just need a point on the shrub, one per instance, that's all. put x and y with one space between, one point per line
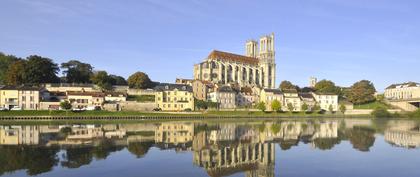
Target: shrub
261 106
415 114
381 112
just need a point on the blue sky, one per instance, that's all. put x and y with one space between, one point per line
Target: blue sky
340 40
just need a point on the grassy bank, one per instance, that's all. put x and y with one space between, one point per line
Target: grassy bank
209 114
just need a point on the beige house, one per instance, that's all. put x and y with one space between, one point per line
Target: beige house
309 99
245 97
326 100
174 97
225 96
201 89
405 91
115 97
86 99
292 97
405 96
23 97
269 95
184 81
256 68
65 87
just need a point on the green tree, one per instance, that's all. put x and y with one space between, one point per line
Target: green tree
330 108
140 80
66 105
77 72
305 107
276 105
5 62
117 80
316 108
261 106
381 112
361 92
343 108
290 107
15 73
102 80
326 86
285 85
40 70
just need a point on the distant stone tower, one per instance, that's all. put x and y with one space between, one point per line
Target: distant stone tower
251 48
312 81
267 60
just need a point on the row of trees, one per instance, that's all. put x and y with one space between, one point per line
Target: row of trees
359 93
35 70
277 107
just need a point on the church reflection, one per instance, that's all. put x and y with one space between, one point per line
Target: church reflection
221 149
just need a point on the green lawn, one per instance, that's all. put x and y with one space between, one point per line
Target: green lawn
371 105
182 114
141 98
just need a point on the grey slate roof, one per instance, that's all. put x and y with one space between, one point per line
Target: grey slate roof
167 87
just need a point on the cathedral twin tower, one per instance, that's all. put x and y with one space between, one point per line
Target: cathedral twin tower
256 68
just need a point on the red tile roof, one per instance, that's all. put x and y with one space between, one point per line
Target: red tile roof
214 55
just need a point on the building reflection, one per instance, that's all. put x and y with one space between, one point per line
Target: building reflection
220 149
406 134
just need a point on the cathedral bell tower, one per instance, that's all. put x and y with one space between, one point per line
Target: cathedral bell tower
267 60
251 48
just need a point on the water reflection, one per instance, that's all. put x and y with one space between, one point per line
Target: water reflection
221 149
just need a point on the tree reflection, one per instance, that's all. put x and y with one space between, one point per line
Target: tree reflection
362 138
35 160
139 148
77 157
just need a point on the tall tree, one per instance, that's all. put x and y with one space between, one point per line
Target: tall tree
40 70
77 72
5 62
139 80
276 105
15 73
102 80
117 80
286 85
326 86
361 92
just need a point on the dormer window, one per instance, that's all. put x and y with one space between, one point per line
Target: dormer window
166 87
184 87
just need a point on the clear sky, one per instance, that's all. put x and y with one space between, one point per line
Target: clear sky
340 40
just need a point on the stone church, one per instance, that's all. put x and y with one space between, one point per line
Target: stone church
256 68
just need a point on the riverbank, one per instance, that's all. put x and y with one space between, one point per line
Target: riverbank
127 115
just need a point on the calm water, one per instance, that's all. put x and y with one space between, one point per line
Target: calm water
327 148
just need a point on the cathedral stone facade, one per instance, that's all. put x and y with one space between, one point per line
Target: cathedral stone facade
256 68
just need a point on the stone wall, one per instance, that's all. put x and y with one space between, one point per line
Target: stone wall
137 106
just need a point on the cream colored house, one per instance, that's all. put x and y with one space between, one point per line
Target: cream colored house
65 87
201 89
224 96
326 100
174 97
86 99
115 97
269 95
405 91
25 98
245 97
256 68
292 97
405 96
